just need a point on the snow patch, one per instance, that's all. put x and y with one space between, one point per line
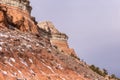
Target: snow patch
37 45
31 71
23 62
59 66
4 72
50 69
15 74
31 60
5 57
43 60
12 59
0 48
19 72
49 50
22 49
3 35
25 38
1 43
63 78
9 63
43 73
28 46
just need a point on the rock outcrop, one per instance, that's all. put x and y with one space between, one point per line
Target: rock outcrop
57 39
16 14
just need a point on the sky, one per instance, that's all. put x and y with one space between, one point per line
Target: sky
93 27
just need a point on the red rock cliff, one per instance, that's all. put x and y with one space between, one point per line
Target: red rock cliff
25 55
16 14
57 38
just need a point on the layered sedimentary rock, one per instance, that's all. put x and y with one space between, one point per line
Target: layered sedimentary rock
44 55
21 4
57 39
16 14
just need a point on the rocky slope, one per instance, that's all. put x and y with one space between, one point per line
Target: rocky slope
25 56
36 52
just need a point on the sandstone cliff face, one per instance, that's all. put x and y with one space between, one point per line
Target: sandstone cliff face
16 16
57 38
28 52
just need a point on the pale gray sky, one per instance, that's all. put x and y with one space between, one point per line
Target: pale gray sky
93 27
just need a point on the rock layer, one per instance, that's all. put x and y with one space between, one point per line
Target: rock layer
15 17
57 39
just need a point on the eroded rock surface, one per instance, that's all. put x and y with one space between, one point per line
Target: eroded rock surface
15 16
25 56
29 52
57 38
